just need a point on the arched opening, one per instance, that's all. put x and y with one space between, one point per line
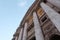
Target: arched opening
55 37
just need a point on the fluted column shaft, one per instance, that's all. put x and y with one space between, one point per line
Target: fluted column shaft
16 38
38 31
25 32
52 14
55 2
20 35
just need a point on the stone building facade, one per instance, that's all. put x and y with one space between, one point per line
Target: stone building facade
41 22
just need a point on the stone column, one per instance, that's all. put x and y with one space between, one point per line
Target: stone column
52 14
25 32
16 38
38 31
55 2
20 34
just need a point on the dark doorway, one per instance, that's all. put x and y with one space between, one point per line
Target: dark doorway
33 38
55 37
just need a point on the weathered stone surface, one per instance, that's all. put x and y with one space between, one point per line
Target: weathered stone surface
55 2
52 14
25 32
38 31
20 35
16 38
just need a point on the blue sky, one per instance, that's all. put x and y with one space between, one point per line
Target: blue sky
11 14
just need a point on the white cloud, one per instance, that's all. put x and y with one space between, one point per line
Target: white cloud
22 4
